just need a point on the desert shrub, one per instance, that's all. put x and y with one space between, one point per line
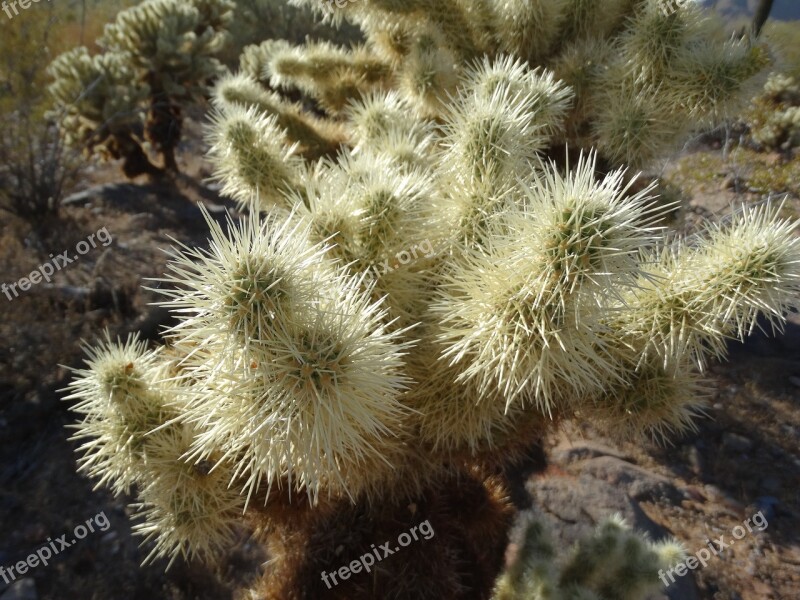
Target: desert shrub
35 166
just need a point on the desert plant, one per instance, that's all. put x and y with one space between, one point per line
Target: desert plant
411 315
35 165
611 564
774 117
158 57
257 20
642 72
36 170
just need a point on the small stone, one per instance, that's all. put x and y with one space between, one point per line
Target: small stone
726 502
795 381
729 183
767 505
24 589
762 589
109 537
733 442
695 460
771 484
568 452
694 493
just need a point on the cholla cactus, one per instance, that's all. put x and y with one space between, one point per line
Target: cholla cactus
157 57
415 312
774 117
103 106
121 405
641 72
611 564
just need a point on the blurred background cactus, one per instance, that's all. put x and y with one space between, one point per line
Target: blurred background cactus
774 118
612 563
157 57
436 270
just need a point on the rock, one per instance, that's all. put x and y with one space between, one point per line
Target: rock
771 484
573 506
567 453
733 442
637 482
795 381
23 589
695 460
103 191
767 505
713 203
730 183
762 342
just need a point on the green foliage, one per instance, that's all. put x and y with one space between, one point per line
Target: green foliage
157 57
105 103
774 115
